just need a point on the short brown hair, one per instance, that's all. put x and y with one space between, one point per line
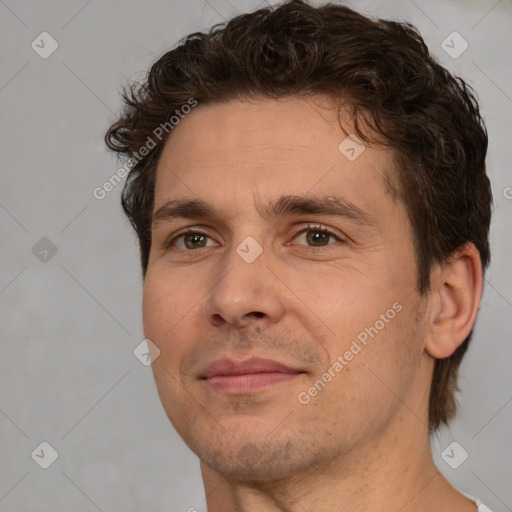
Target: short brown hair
429 118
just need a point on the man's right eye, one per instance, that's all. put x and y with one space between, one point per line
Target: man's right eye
190 240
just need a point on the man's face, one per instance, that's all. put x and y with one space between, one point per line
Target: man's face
213 303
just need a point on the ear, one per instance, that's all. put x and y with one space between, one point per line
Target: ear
454 297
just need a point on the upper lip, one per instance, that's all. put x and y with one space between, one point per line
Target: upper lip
226 366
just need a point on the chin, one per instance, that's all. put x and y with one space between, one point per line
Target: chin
258 460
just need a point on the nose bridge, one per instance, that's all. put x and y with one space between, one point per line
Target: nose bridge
246 289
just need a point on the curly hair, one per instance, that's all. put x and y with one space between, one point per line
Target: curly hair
399 95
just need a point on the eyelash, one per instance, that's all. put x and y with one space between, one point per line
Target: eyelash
309 227
172 240
320 228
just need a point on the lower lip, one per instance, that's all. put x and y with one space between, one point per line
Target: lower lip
249 382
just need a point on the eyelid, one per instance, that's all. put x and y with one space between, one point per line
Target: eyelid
306 227
322 228
169 242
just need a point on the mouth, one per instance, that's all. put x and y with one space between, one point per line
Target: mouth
249 376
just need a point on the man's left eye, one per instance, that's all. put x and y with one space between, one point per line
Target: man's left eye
316 237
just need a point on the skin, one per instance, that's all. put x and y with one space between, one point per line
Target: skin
362 442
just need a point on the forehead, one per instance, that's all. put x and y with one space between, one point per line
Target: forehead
245 150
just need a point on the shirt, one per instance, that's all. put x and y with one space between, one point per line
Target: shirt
480 505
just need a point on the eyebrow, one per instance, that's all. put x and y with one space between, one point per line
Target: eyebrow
284 206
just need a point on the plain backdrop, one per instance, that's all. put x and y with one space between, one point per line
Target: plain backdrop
71 319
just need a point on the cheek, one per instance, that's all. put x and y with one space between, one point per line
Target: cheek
153 307
165 307
368 321
165 323
345 299
377 375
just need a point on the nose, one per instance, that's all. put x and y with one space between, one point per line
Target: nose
246 294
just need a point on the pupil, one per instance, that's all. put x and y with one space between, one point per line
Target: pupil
194 240
317 237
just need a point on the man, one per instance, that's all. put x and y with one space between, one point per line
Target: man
309 192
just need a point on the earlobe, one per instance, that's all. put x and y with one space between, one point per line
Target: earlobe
456 290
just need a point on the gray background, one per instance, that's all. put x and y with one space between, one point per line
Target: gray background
70 324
